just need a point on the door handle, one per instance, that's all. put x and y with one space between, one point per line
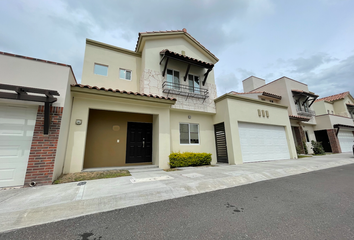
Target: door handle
143 143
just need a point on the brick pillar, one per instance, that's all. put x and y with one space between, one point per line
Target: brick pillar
299 138
43 149
333 140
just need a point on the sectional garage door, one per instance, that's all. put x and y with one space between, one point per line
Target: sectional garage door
346 139
16 132
263 142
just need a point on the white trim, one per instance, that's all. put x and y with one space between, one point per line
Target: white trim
131 74
189 134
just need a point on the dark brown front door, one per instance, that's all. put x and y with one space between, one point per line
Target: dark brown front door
139 142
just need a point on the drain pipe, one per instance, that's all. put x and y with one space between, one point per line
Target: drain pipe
32 184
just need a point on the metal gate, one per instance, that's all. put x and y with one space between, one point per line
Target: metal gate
220 140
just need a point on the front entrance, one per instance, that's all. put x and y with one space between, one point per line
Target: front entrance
115 139
322 136
139 142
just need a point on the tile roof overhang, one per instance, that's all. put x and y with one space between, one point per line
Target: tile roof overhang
122 93
182 33
343 126
167 54
335 97
350 106
187 59
295 117
310 97
39 60
247 99
266 94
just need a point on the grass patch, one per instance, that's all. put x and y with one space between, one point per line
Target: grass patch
172 170
82 176
303 156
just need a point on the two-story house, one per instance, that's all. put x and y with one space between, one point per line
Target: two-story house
293 94
136 107
130 104
335 127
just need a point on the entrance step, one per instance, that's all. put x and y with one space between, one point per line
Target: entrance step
141 168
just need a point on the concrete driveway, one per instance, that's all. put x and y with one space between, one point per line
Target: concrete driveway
32 206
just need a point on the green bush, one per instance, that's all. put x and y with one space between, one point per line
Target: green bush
189 159
305 147
299 150
317 148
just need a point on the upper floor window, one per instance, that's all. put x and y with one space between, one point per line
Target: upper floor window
173 78
100 69
125 74
189 133
193 83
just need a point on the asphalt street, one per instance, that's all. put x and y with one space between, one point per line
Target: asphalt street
315 205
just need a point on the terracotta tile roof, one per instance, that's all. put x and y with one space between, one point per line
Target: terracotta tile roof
263 93
278 80
301 91
123 91
176 31
333 97
186 57
39 60
295 117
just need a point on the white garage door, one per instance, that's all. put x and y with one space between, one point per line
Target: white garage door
16 131
346 139
263 142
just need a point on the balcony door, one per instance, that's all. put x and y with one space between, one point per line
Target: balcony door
173 79
193 83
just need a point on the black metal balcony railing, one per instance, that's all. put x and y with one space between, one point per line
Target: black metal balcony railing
306 112
184 90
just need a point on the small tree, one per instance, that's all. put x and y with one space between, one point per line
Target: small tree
317 148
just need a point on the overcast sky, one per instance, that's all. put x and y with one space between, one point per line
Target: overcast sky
311 41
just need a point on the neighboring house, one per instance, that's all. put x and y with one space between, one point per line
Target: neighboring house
136 107
35 106
335 126
293 94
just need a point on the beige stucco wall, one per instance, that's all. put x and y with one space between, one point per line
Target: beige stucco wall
151 80
206 132
114 60
91 100
252 83
64 131
322 107
283 87
233 110
36 74
327 121
311 133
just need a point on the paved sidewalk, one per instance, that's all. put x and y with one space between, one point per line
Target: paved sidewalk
32 206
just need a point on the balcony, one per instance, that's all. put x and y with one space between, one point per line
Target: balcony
185 90
306 113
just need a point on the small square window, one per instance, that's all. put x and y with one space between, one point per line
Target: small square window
189 133
100 69
125 74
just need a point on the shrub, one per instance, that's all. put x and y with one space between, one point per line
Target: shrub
305 147
189 159
298 150
317 148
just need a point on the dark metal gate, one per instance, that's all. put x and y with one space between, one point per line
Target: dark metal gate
220 140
